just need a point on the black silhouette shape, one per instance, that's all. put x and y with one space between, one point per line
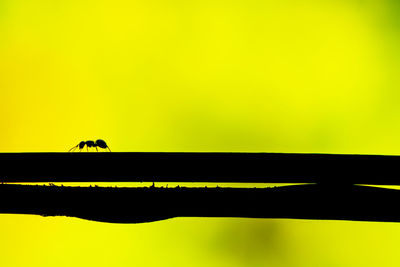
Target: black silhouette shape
147 204
335 194
98 143
200 167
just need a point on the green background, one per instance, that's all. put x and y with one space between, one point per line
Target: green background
240 75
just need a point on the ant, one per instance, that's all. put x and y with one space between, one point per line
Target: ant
98 143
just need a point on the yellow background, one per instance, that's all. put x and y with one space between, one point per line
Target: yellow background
240 75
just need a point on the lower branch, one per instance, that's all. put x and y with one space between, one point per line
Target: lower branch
146 204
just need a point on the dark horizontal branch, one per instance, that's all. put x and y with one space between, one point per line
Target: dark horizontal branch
146 204
199 167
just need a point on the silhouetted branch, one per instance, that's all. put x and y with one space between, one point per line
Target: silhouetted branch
134 205
199 167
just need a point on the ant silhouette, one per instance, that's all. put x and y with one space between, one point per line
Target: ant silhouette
98 143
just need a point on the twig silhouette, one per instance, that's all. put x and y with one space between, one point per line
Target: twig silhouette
199 167
135 205
333 196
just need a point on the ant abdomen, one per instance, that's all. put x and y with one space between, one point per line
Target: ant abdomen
101 143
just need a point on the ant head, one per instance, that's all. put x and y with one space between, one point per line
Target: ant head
82 144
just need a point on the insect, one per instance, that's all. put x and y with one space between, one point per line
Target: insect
98 143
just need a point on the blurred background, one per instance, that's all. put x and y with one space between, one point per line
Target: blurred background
237 75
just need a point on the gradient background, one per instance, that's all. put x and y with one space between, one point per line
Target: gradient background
237 75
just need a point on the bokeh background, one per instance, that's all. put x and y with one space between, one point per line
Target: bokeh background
237 75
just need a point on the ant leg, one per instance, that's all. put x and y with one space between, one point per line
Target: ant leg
96 149
109 149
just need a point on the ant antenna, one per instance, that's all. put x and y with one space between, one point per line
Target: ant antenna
73 149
